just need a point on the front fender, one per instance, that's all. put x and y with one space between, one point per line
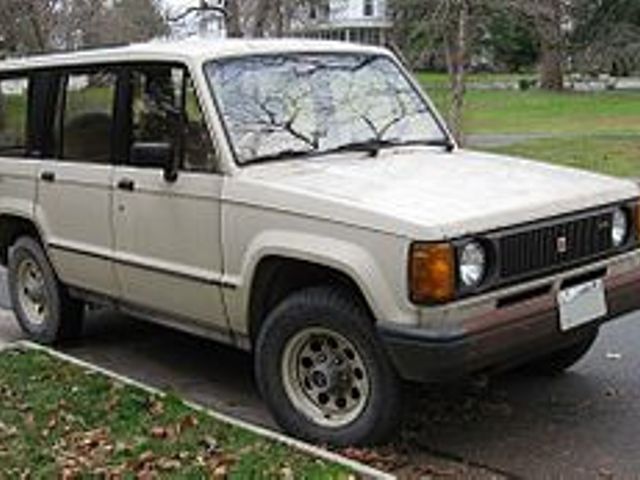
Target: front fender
362 265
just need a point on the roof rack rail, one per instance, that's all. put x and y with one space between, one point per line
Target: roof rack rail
36 53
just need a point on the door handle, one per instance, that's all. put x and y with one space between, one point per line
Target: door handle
127 184
48 177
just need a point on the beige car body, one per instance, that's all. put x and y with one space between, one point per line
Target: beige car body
187 252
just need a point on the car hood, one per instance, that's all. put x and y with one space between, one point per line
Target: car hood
426 193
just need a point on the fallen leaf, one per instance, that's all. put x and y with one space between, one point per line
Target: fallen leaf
156 408
220 472
211 445
167 464
145 457
159 432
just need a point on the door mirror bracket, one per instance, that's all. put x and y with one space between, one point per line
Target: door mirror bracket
155 155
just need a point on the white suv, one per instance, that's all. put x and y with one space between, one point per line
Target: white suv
304 201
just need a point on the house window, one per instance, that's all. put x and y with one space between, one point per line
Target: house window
368 8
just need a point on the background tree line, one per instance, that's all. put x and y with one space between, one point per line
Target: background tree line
28 26
552 36
502 35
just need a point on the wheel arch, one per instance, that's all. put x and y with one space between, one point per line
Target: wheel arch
276 277
12 227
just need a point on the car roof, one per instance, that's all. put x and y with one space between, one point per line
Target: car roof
185 51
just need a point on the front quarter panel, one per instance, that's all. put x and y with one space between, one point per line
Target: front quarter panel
375 261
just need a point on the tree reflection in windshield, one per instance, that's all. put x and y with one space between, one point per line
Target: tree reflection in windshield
289 105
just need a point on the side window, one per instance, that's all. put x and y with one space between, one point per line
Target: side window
198 149
14 108
165 111
156 105
87 117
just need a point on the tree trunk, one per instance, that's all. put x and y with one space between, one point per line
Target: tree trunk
234 29
263 9
549 23
456 63
551 68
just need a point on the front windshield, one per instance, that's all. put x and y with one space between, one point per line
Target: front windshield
281 106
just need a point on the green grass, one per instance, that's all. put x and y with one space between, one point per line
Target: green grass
612 155
536 111
60 421
598 130
14 118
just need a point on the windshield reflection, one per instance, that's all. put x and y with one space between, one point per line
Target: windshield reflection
289 106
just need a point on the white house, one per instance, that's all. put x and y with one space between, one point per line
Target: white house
361 21
188 22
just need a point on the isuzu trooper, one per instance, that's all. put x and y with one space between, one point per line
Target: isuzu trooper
304 201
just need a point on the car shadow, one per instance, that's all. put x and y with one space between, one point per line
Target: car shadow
201 370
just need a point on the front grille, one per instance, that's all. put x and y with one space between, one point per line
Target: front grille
553 246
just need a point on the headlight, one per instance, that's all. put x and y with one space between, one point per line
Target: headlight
472 261
619 228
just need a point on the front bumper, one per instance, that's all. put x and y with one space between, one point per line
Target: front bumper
501 338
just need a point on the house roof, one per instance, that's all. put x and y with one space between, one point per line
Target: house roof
182 51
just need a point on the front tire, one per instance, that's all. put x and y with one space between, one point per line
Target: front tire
322 372
43 308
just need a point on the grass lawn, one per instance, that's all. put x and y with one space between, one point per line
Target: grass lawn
597 131
60 421
612 155
536 111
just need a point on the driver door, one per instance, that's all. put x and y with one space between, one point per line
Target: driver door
167 238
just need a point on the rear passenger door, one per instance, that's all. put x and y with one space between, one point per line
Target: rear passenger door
167 230
74 196
17 149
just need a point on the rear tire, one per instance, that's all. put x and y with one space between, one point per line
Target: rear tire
44 310
556 363
322 372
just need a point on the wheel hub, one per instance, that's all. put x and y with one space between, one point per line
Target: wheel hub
32 292
325 377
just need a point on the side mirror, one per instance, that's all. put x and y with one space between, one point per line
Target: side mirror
155 155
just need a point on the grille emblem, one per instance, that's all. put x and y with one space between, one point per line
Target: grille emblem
562 245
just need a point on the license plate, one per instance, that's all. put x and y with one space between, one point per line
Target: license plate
582 304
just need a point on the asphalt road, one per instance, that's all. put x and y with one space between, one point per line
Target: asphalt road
585 424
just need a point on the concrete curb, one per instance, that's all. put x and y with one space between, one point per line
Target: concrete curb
363 470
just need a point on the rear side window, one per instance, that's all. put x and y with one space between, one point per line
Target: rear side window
88 117
198 149
14 108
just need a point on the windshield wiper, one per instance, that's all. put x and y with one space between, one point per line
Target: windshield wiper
445 143
374 145
282 155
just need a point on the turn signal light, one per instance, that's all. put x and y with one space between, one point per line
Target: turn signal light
432 273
